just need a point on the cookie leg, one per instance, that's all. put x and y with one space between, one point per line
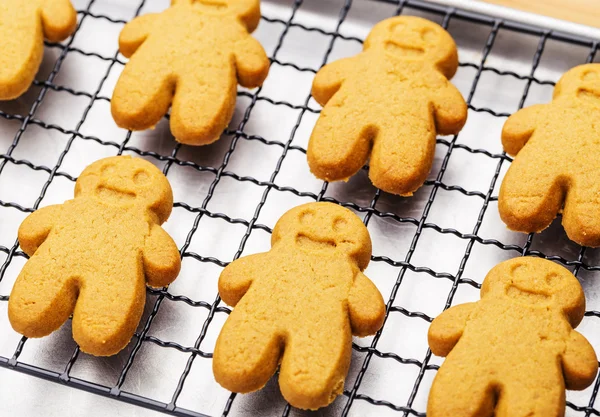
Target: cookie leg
460 391
203 105
42 298
21 58
581 216
247 353
315 364
143 93
531 193
340 142
538 397
108 311
402 156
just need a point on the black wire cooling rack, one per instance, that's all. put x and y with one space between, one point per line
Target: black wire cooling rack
422 368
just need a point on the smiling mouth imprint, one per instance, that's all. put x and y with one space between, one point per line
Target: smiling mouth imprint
306 242
517 293
404 50
587 94
114 195
219 5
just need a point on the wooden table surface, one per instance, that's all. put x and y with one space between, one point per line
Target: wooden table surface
586 12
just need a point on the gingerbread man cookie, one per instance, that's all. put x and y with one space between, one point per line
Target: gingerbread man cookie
298 305
513 352
389 101
190 58
92 256
23 26
557 161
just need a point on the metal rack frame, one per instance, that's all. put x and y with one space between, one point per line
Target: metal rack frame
238 134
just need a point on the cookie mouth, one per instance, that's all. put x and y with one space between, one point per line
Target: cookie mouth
311 244
114 195
521 294
404 50
213 4
589 94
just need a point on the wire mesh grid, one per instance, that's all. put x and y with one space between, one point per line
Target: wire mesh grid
391 371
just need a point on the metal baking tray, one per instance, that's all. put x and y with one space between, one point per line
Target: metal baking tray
430 251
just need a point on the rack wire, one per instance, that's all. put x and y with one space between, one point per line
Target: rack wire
425 366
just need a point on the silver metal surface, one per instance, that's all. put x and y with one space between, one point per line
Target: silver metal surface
156 370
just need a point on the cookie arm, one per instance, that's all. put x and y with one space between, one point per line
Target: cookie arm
519 127
252 63
329 79
450 110
237 277
162 261
579 362
135 33
36 227
447 328
365 306
59 19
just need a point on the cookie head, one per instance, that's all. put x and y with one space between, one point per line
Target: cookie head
537 281
325 228
582 82
410 38
127 181
248 11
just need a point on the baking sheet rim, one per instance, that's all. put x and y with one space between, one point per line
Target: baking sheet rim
533 19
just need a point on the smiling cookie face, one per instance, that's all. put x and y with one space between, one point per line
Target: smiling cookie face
325 227
410 38
248 11
582 82
122 180
536 281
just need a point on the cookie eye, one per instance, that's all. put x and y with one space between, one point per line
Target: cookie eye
428 36
519 271
552 279
590 75
306 217
339 224
141 178
397 27
108 169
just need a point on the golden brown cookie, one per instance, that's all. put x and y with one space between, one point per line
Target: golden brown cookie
389 101
557 163
513 352
92 256
298 305
23 26
190 58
